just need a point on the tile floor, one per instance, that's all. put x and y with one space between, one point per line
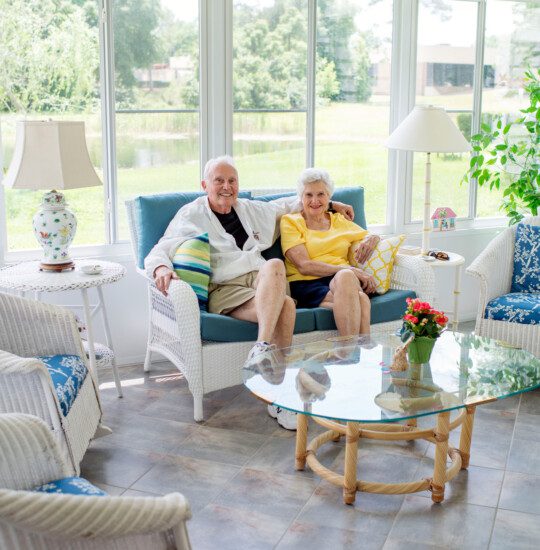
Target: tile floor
237 470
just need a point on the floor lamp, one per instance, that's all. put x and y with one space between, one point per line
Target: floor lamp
427 129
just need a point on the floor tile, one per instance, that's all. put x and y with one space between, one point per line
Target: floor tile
303 535
370 513
223 528
530 402
521 493
528 427
268 493
481 486
448 525
524 456
515 531
228 446
199 481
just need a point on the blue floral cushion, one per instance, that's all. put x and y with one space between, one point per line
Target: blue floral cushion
526 275
71 486
67 373
516 307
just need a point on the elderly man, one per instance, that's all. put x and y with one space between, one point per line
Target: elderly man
243 284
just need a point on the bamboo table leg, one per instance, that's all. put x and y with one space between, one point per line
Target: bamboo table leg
301 440
351 457
466 436
441 452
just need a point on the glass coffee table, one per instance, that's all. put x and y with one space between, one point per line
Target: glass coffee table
349 387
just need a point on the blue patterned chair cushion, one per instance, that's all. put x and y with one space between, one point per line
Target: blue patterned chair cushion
516 307
526 275
71 486
67 373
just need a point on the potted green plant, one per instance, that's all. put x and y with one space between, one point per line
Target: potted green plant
508 157
426 324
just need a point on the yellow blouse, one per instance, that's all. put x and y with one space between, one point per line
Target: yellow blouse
330 246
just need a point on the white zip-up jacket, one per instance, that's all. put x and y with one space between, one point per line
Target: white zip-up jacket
260 220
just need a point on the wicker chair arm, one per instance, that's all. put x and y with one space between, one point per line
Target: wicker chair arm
29 455
83 517
29 328
494 267
413 273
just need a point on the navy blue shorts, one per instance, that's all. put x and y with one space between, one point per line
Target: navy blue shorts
310 293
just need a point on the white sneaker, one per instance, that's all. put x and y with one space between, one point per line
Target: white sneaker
272 370
260 347
286 419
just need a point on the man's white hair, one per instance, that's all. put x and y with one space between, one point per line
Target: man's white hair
311 175
212 163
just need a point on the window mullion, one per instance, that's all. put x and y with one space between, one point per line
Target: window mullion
3 210
108 120
476 118
311 82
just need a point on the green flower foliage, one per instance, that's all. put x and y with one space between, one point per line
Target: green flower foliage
506 156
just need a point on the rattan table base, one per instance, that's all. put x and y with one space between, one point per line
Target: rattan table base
354 431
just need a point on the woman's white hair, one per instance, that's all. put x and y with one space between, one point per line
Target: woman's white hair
311 175
212 163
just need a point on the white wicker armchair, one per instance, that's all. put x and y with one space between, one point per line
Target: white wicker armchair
174 324
29 329
29 457
494 268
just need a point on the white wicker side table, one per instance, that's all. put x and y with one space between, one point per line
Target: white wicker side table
26 277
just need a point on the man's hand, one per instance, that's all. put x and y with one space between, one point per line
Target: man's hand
162 278
367 282
365 249
344 209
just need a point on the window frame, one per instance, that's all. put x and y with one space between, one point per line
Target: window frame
216 114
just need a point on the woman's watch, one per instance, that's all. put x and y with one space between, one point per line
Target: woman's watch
330 207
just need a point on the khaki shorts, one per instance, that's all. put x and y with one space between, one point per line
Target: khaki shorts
224 297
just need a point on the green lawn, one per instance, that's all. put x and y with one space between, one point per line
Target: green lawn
270 152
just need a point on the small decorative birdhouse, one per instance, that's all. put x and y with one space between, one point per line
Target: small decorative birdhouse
444 219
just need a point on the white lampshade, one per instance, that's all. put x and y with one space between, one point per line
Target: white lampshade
50 154
428 129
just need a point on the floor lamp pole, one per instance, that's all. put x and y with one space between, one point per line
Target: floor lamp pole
427 207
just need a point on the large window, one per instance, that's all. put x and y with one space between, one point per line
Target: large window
304 82
269 91
354 44
50 70
156 46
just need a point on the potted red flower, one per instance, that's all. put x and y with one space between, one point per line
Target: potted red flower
426 325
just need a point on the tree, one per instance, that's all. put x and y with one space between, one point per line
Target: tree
49 57
362 64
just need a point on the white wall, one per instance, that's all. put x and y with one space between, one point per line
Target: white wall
128 309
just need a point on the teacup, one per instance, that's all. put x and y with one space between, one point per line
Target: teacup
91 269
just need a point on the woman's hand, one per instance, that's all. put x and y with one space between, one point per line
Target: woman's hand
365 249
345 210
162 278
367 282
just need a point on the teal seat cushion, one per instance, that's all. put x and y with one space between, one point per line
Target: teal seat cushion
347 195
222 328
153 213
388 307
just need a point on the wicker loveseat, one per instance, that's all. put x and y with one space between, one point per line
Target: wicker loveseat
210 349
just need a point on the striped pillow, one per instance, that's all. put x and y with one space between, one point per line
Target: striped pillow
191 262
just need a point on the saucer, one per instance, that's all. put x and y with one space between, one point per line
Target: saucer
91 269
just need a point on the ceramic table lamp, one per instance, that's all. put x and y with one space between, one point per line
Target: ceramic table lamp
52 155
427 129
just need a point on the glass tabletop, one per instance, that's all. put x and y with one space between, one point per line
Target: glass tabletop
352 379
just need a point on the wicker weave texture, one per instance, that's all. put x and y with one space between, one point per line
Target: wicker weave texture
174 330
31 457
493 268
28 329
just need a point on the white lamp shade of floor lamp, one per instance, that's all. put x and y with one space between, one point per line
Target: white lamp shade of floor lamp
427 129
52 155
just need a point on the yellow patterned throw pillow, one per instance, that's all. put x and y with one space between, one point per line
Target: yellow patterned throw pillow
381 263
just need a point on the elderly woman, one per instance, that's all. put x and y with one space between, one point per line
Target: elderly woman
315 244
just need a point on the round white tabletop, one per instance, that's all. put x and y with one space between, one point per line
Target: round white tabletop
26 276
453 261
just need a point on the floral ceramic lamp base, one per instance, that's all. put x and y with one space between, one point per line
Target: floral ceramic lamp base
54 228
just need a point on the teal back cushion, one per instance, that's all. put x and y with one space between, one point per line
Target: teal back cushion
347 195
153 213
